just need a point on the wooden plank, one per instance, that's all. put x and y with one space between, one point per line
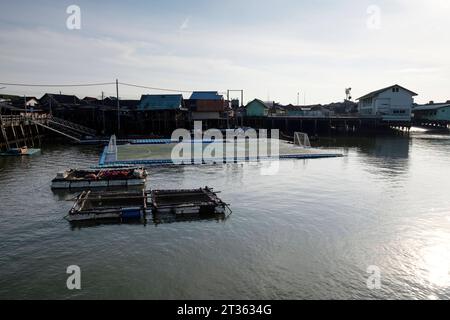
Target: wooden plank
76 201
57 131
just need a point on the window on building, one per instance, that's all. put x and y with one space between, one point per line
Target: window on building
395 89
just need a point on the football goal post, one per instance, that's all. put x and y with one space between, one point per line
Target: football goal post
111 151
302 140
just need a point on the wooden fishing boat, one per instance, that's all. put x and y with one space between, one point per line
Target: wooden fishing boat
122 205
200 201
100 178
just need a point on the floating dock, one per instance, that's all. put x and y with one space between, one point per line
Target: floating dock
123 205
202 201
134 205
100 178
159 152
17 152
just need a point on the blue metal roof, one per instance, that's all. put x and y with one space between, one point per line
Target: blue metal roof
161 102
206 95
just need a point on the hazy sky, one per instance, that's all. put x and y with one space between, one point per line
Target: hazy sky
271 49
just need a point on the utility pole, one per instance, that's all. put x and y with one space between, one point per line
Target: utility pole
25 104
118 107
103 113
298 98
228 116
242 95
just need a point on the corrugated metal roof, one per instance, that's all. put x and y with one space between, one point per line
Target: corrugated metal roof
258 101
431 107
62 98
161 102
291 107
374 93
206 95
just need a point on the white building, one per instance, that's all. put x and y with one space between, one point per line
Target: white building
31 102
393 103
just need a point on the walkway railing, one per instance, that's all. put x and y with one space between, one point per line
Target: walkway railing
7 119
63 127
73 126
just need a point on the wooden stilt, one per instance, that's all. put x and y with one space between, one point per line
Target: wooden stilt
31 135
5 137
15 136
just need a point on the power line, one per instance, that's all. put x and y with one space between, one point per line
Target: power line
153 88
56 85
94 84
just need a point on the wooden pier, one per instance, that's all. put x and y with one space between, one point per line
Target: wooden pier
28 130
432 124
18 131
325 125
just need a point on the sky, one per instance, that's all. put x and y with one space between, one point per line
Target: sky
273 50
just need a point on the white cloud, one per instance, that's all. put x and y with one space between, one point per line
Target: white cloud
185 24
272 56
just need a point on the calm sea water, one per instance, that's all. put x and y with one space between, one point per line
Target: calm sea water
308 232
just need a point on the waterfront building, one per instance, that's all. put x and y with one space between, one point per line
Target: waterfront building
50 101
275 109
209 107
90 99
313 111
393 103
20 101
433 112
161 112
161 102
257 108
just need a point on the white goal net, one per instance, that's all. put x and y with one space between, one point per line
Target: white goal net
301 139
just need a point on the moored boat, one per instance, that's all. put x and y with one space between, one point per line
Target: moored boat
100 178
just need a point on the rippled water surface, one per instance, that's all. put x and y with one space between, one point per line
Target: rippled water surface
308 232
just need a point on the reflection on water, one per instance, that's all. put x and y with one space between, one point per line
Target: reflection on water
437 264
386 156
308 232
194 218
78 225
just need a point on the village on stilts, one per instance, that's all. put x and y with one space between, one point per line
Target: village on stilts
139 138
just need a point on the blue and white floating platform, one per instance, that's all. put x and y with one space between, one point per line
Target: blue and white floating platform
154 152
